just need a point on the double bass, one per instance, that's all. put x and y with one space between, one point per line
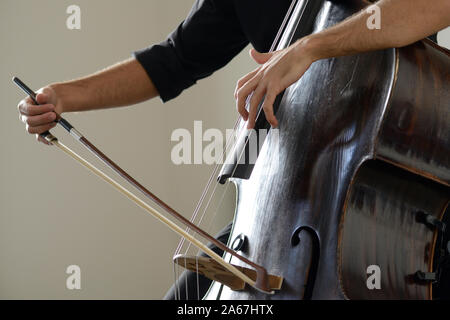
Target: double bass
357 181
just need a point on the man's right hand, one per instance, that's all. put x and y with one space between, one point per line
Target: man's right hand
40 118
122 84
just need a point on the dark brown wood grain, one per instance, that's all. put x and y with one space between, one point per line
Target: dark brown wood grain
415 132
337 117
381 226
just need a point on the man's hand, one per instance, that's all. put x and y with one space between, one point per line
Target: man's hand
122 84
40 118
402 23
278 71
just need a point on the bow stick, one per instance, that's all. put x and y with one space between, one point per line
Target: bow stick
261 282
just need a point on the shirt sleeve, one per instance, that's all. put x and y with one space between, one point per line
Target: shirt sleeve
204 42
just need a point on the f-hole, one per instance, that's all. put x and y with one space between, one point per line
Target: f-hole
315 254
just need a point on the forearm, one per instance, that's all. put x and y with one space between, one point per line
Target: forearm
122 84
402 23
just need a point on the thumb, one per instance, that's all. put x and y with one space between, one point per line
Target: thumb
42 98
259 57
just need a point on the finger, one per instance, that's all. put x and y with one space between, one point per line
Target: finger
243 93
29 109
243 80
40 139
259 57
42 98
40 120
40 129
254 103
242 111
267 106
21 106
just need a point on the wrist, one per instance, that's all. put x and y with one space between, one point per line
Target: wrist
68 96
59 99
311 48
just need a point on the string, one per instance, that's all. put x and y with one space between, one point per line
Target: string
207 187
249 133
174 227
206 190
235 128
247 107
175 279
192 220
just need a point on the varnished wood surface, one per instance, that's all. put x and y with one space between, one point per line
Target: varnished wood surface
416 128
327 122
330 123
381 226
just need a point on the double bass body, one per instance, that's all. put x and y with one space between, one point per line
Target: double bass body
361 161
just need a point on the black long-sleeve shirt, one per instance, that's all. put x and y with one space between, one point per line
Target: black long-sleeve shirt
213 33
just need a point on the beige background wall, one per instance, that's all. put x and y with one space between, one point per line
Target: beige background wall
53 213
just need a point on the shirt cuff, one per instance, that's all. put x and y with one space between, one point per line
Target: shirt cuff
164 69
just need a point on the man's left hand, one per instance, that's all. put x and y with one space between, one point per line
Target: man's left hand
277 71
